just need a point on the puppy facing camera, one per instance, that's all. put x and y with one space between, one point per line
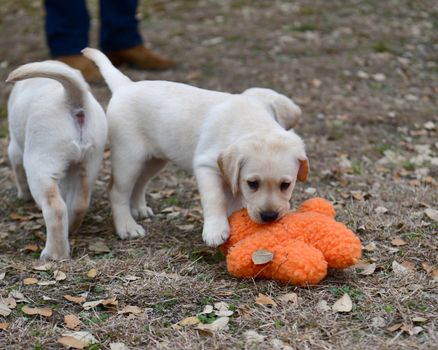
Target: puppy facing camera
237 145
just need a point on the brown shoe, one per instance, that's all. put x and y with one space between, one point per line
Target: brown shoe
86 66
140 57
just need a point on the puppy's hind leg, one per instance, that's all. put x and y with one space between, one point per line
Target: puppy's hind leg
139 208
47 195
16 158
125 173
79 199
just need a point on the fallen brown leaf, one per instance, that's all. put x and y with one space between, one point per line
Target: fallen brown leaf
130 309
99 247
345 195
411 330
344 304
4 325
18 296
188 321
323 306
77 340
427 267
92 273
208 309
43 267
46 283
30 280
10 302
262 256
59 275
4 309
40 235
399 269
361 264
118 346
19 217
289 298
243 310
252 337
410 265
222 309
263 299
398 242
105 302
186 228
71 321
218 325
30 248
90 304
110 302
73 299
129 278
381 210
369 269
46 312
395 327
360 196
316 82
432 214
370 247
345 165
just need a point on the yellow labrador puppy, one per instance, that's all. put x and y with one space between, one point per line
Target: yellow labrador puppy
57 136
236 145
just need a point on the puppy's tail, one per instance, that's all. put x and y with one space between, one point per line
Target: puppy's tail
71 79
113 77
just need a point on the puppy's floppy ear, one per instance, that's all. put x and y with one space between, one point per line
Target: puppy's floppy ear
284 110
230 164
303 170
299 151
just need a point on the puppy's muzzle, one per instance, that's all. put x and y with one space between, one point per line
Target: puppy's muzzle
268 216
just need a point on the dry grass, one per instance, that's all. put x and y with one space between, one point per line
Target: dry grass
285 46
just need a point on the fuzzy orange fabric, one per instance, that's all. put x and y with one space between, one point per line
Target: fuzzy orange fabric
304 244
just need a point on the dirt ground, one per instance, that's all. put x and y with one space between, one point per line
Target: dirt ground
365 75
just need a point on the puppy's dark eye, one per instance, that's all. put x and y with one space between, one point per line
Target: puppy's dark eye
254 185
284 186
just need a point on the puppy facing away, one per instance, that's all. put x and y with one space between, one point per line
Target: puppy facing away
236 145
57 137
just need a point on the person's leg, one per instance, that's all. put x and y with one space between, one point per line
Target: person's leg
120 37
118 25
67 25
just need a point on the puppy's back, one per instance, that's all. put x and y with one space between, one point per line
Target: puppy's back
53 103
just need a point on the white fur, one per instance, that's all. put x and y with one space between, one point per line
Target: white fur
223 138
55 158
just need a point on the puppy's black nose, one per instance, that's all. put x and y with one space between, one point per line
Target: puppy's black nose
268 216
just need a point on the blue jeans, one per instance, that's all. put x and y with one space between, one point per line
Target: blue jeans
68 24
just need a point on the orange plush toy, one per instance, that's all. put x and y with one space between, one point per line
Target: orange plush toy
298 248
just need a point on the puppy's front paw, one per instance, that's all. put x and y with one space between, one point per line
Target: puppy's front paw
142 212
215 232
129 230
55 253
